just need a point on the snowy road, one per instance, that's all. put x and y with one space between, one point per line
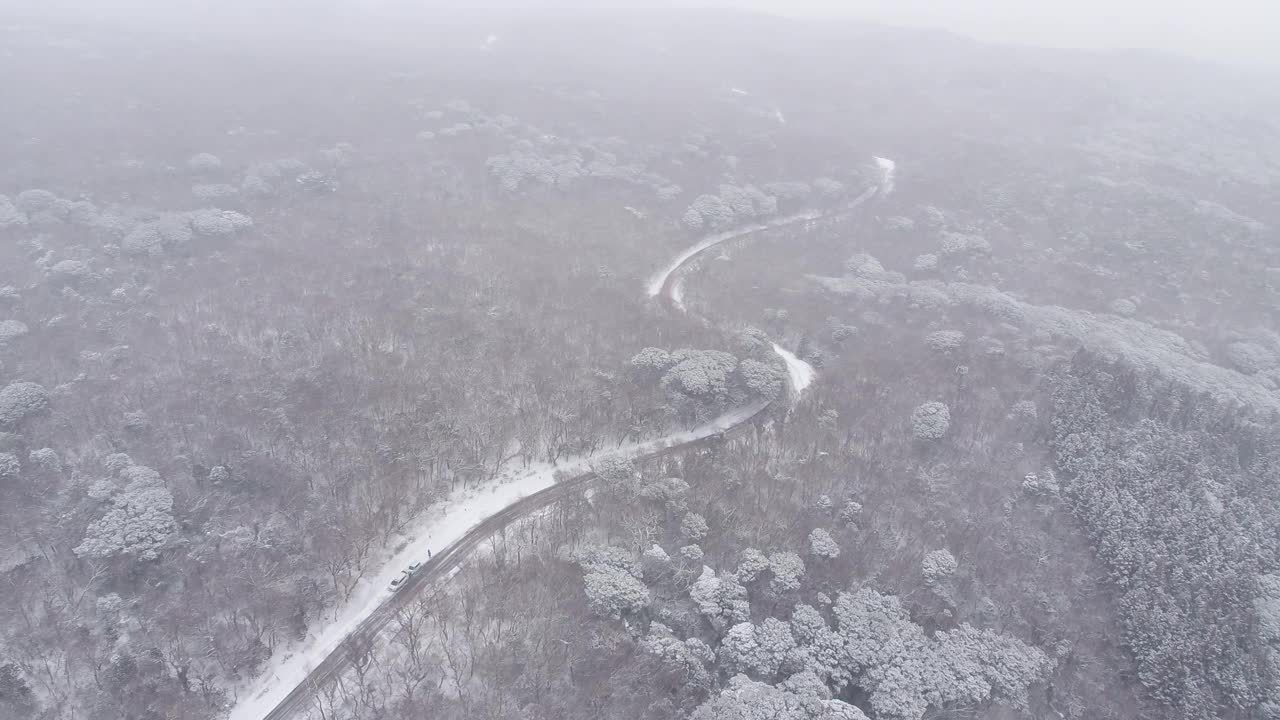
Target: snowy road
290 688
668 283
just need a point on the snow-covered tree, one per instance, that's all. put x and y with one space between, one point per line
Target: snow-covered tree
691 219
926 262
71 269
930 421
38 201
690 657
747 699
763 379
255 186
1250 358
593 557
751 564
721 599
954 243
655 562
693 527
213 191
618 473
819 649
209 221
10 466
20 400
10 215
787 568
691 554
204 162
652 360
938 565
700 374
138 521
46 460
713 210
944 341
613 592
864 265
11 330
1123 307
762 651
669 491
970 666
822 545
851 511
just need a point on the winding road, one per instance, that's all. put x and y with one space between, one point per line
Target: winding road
442 564
664 285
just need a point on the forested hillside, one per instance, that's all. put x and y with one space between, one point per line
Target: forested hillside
884 374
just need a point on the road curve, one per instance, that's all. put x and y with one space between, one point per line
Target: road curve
443 562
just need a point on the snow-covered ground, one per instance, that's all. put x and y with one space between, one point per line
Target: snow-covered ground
888 169
436 529
801 372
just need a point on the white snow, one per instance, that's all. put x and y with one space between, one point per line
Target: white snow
800 371
738 91
442 525
490 41
677 294
777 114
888 169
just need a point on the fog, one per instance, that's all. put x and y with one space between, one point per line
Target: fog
1240 32
1234 31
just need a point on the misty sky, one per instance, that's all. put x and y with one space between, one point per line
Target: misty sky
1238 31
1234 31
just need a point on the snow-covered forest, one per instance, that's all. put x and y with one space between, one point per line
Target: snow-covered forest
658 364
